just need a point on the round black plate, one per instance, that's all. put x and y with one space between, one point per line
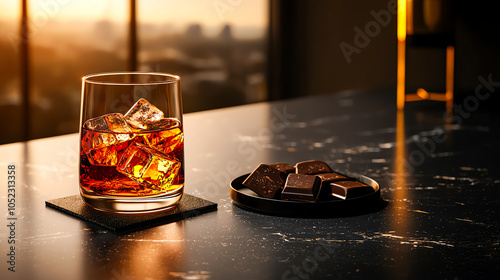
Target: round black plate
334 207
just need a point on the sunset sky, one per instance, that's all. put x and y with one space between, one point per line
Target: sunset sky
210 13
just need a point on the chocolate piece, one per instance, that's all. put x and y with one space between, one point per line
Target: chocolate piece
350 189
265 181
331 177
312 167
326 179
301 187
284 167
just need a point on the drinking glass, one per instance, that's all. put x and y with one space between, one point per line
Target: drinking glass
131 142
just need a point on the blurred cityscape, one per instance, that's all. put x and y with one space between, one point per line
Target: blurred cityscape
217 71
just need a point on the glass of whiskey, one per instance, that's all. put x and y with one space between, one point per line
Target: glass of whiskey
131 142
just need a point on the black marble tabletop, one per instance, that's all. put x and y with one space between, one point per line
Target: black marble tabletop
440 179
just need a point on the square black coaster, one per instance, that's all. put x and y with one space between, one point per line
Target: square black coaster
189 206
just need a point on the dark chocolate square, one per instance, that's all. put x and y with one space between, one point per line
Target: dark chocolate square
189 206
312 167
284 167
350 189
265 181
326 179
301 187
331 177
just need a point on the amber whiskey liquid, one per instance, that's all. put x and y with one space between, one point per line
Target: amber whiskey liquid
146 162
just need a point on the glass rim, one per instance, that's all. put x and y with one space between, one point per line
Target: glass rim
174 78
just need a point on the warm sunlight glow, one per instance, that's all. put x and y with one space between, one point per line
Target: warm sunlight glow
400 222
248 18
450 65
400 170
401 75
401 20
421 94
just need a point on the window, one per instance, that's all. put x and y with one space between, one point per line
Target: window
217 47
